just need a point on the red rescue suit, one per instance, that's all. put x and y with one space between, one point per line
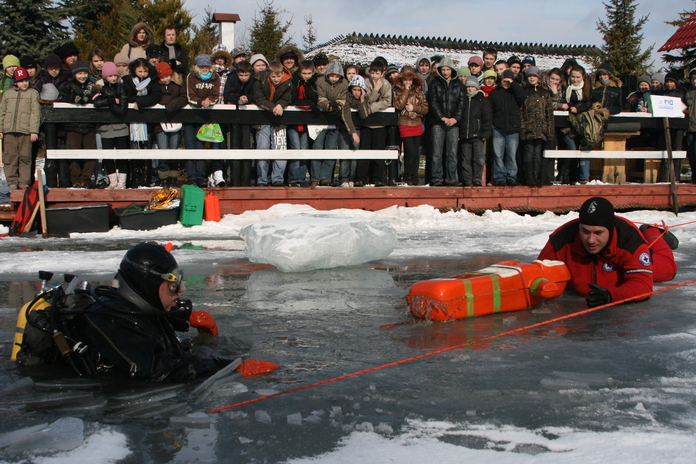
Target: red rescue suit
626 267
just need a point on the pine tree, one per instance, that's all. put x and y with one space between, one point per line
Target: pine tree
205 36
682 60
309 39
622 39
31 27
268 31
86 13
110 30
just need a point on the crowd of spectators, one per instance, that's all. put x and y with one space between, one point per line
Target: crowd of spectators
483 122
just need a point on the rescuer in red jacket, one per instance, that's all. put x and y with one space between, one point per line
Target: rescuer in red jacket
609 258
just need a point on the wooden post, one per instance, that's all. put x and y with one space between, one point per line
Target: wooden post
614 170
672 177
42 202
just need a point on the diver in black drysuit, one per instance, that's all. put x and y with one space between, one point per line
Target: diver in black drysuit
130 329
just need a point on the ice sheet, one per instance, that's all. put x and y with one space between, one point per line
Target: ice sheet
307 242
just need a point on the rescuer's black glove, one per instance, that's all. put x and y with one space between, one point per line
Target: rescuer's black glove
598 296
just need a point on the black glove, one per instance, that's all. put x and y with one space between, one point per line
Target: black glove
179 316
334 106
598 296
78 100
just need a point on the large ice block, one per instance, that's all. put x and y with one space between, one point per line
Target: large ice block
305 242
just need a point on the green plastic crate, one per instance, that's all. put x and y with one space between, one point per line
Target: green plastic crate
192 200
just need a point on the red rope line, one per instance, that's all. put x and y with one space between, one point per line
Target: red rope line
665 228
443 350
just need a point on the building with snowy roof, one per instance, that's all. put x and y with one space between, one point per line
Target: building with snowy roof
361 49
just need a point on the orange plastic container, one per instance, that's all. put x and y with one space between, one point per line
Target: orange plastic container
502 287
211 207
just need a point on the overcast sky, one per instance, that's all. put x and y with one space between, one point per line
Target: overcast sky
533 21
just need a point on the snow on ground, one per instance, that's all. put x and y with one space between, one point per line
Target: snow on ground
422 442
423 227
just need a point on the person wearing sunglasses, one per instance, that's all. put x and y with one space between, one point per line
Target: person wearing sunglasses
131 329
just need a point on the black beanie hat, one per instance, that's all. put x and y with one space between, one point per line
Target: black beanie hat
28 61
508 74
79 66
598 211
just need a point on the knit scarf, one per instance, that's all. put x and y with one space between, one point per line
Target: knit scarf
574 88
139 130
487 90
172 51
301 96
141 86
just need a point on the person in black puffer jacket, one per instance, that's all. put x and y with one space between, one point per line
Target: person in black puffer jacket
144 90
607 89
79 91
474 128
114 96
445 98
506 100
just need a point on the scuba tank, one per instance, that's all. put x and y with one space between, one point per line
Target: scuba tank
38 303
39 336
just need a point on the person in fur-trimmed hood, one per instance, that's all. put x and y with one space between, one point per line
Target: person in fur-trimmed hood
222 64
290 56
606 89
138 39
412 105
537 125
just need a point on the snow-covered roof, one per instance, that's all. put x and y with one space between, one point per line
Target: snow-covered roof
361 49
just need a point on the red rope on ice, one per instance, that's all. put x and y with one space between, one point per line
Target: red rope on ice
665 228
443 350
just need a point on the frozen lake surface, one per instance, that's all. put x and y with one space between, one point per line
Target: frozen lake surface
617 384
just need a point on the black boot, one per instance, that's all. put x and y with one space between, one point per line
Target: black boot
538 173
530 173
564 171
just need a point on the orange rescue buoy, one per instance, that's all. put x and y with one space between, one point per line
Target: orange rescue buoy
502 287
